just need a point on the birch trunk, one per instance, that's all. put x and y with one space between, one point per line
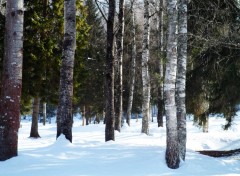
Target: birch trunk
11 84
172 151
119 42
44 113
109 84
34 128
64 111
133 66
205 123
161 55
181 76
145 71
84 116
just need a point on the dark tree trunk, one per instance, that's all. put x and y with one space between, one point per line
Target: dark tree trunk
11 84
64 111
34 128
160 102
219 153
109 86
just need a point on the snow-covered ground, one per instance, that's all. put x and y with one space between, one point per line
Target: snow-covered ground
132 154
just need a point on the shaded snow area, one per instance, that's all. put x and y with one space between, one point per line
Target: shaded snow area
132 154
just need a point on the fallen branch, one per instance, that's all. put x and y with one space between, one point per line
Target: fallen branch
218 153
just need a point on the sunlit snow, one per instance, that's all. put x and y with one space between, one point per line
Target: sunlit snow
132 154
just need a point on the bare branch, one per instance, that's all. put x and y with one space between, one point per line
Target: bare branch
96 1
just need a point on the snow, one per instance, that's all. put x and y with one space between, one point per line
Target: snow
132 154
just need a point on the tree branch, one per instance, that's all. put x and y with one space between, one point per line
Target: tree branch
101 10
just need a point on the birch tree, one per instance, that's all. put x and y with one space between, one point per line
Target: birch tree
145 70
44 113
109 82
161 55
181 76
11 80
133 65
119 42
172 151
64 111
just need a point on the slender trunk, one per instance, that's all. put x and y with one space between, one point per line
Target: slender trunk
109 85
34 128
11 84
87 115
145 71
119 41
97 119
64 111
172 151
132 69
83 116
205 122
44 113
181 77
161 55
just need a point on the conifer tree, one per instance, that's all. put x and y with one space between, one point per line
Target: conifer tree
89 72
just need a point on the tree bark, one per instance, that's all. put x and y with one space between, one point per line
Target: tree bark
133 67
119 42
172 151
11 84
44 113
34 128
64 111
109 85
161 55
84 116
145 70
181 76
205 123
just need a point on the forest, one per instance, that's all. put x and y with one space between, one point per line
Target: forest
116 60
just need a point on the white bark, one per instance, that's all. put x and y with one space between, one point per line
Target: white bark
172 151
132 69
181 76
64 111
83 116
120 63
11 83
44 113
145 70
